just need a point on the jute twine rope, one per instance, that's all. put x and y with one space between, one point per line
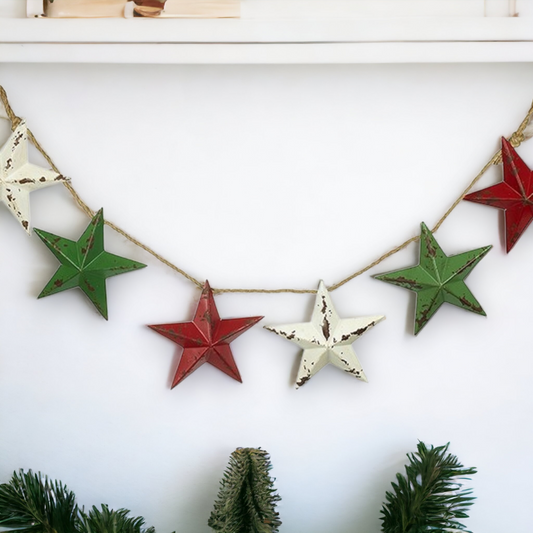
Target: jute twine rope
516 139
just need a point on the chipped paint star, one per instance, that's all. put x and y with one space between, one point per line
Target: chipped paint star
437 279
327 339
514 195
206 338
18 177
85 263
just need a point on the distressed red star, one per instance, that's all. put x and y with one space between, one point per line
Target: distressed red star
514 195
206 338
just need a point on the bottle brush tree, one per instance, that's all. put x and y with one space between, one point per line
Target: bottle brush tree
429 497
247 498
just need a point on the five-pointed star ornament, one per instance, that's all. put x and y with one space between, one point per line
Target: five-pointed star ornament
206 338
18 177
514 195
327 338
437 279
85 263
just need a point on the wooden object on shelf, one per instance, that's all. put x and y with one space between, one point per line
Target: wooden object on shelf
199 9
84 8
142 8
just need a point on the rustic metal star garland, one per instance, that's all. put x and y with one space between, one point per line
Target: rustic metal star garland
326 339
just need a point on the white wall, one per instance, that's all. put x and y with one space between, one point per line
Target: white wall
267 177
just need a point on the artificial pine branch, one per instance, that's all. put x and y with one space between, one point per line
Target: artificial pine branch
108 521
428 498
247 498
31 503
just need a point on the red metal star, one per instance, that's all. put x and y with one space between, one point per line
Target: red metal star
514 195
206 339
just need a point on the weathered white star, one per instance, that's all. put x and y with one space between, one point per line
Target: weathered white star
18 177
327 338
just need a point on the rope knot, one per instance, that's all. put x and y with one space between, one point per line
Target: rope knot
15 121
517 139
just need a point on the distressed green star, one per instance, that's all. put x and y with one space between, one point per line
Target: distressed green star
85 263
437 279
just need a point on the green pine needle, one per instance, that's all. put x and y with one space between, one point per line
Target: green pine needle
109 521
247 499
31 503
429 497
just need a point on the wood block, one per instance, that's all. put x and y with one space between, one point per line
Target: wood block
84 8
202 9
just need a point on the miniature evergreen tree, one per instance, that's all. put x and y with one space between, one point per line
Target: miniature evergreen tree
428 498
247 498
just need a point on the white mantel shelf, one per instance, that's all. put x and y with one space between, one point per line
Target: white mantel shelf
240 41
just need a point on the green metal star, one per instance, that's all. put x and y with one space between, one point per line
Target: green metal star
85 263
437 279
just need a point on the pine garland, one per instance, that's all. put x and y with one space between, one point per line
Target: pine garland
428 498
247 498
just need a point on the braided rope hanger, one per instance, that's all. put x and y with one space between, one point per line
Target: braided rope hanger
522 134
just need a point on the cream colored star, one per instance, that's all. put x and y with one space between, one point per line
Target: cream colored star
327 338
18 177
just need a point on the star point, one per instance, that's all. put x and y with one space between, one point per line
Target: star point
19 177
326 339
437 279
514 195
206 338
85 263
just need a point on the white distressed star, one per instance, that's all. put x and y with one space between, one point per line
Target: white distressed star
327 338
18 177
